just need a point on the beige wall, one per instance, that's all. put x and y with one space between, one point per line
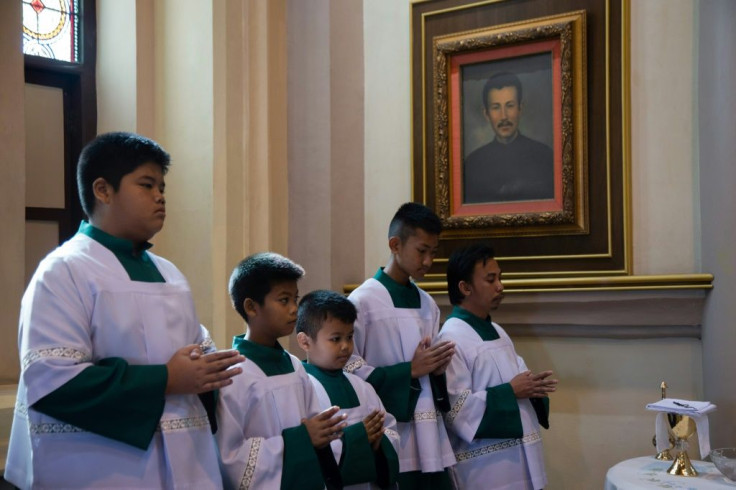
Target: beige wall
717 155
663 136
325 141
387 167
12 185
117 66
12 208
597 418
183 125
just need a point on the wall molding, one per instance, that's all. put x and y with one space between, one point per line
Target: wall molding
661 282
618 307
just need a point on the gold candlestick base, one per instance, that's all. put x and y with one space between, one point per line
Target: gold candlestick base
682 466
664 455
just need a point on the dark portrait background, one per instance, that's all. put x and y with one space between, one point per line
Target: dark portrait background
536 122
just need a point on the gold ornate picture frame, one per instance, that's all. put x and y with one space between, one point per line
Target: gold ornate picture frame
588 234
547 57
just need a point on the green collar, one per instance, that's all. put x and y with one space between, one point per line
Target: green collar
272 360
336 384
115 244
484 328
139 266
403 296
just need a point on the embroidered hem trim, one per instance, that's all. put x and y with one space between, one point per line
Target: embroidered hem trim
457 406
186 423
54 428
63 352
207 345
353 366
429 415
499 446
64 428
250 466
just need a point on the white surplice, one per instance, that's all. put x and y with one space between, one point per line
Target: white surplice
251 415
369 401
80 307
385 336
488 463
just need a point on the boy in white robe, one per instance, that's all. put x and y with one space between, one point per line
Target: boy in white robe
394 349
497 403
272 434
367 451
112 354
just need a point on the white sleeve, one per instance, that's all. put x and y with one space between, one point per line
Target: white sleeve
467 407
246 462
55 339
356 364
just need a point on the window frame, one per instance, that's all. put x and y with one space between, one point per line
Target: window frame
78 83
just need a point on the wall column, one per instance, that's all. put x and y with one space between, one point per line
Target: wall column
717 146
12 185
250 189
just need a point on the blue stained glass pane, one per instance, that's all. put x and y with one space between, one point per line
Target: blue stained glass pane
51 29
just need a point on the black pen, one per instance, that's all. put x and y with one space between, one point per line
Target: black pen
684 405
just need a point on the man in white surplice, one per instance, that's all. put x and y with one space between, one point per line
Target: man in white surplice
112 354
497 403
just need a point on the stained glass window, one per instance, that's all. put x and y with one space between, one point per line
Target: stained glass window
51 29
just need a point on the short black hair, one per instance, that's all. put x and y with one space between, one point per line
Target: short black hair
412 216
112 156
499 81
256 275
318 306
461 265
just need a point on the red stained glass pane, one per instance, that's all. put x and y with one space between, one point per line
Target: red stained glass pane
38 6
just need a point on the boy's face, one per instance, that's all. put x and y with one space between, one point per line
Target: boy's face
137 210
416 254
333 346
276 317
486 288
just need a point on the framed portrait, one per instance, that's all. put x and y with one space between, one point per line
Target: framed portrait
520 113
511 99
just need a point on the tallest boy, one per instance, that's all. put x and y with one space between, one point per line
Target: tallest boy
396 325
112 354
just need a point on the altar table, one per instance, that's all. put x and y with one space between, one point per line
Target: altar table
647 472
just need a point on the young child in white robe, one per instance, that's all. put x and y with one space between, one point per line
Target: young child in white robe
272 432
395 350
367 450
112 354
498 405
